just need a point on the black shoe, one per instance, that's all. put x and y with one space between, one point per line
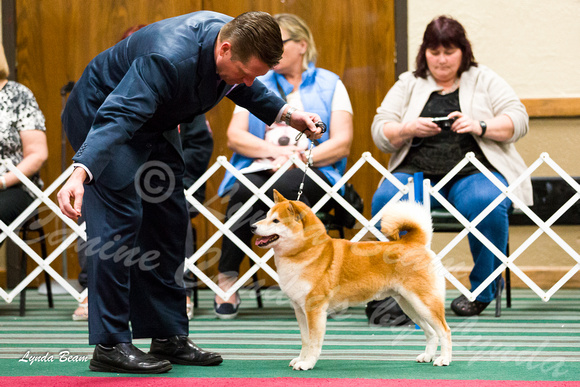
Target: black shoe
463 307
181 350
226 311
386 313
126 358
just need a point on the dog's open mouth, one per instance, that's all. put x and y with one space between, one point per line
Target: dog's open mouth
266 240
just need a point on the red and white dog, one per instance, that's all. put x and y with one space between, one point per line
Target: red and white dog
319 273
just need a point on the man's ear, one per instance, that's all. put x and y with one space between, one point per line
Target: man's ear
225 47
278 197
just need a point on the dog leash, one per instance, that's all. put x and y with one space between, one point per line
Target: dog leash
322 126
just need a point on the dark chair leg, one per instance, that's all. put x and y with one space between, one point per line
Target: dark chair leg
195 280
23 270
508 288
195 286
498 297
258 290
48 290
23 302
508 282
24 263
47 279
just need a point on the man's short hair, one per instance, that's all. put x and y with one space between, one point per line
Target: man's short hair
254 34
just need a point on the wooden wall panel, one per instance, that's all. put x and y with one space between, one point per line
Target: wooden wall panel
552 107
355 39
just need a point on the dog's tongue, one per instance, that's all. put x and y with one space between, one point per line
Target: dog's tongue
262 240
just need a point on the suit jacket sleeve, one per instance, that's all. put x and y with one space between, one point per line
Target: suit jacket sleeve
149 82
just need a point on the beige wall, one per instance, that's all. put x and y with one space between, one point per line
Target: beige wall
559 137
533 44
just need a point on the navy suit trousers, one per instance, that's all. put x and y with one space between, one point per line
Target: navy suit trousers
135 252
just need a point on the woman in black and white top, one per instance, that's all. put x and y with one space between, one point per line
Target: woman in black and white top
22 141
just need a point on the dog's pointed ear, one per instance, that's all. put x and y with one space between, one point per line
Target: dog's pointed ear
296 211
278 197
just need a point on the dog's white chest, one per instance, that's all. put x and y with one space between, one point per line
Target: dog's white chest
291 282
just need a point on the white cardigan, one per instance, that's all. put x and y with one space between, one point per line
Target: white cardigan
482 95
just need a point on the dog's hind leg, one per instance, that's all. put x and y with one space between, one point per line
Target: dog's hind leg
436 319
303 325
316 320
414 309
430 311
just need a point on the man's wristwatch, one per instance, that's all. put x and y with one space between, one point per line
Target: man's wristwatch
483 128
286 118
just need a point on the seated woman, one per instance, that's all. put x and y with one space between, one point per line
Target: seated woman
259 151
488 118
22 140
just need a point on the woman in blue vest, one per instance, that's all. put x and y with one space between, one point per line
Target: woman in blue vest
260 150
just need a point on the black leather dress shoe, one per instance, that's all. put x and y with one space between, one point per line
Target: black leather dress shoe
126 358
181 350
463 307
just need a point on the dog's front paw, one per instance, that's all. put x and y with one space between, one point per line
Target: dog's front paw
441 361
304 365
294 361
424 358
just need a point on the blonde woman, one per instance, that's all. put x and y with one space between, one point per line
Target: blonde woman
260 150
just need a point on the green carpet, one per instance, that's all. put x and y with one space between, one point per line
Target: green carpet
352 369
533 340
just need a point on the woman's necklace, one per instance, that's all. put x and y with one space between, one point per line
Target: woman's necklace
453 87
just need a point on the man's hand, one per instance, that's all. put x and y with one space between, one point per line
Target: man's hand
304 122
70 197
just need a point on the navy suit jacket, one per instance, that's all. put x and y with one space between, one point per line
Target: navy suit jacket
162 75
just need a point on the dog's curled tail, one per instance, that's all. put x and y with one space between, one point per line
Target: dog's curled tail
407 216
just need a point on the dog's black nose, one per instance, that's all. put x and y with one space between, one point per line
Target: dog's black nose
253 227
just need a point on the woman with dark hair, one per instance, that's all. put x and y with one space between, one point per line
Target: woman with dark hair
484 116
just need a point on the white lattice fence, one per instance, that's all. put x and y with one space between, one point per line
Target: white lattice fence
368 225
42 197
543 227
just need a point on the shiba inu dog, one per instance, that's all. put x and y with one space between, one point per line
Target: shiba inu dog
319 273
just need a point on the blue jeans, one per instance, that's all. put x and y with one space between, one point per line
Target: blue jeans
470 195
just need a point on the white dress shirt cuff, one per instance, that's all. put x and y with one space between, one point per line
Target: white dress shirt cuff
279 116
89 174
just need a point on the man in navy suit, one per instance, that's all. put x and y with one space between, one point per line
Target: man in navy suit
121 119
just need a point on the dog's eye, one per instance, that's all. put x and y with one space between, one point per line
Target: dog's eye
276 221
